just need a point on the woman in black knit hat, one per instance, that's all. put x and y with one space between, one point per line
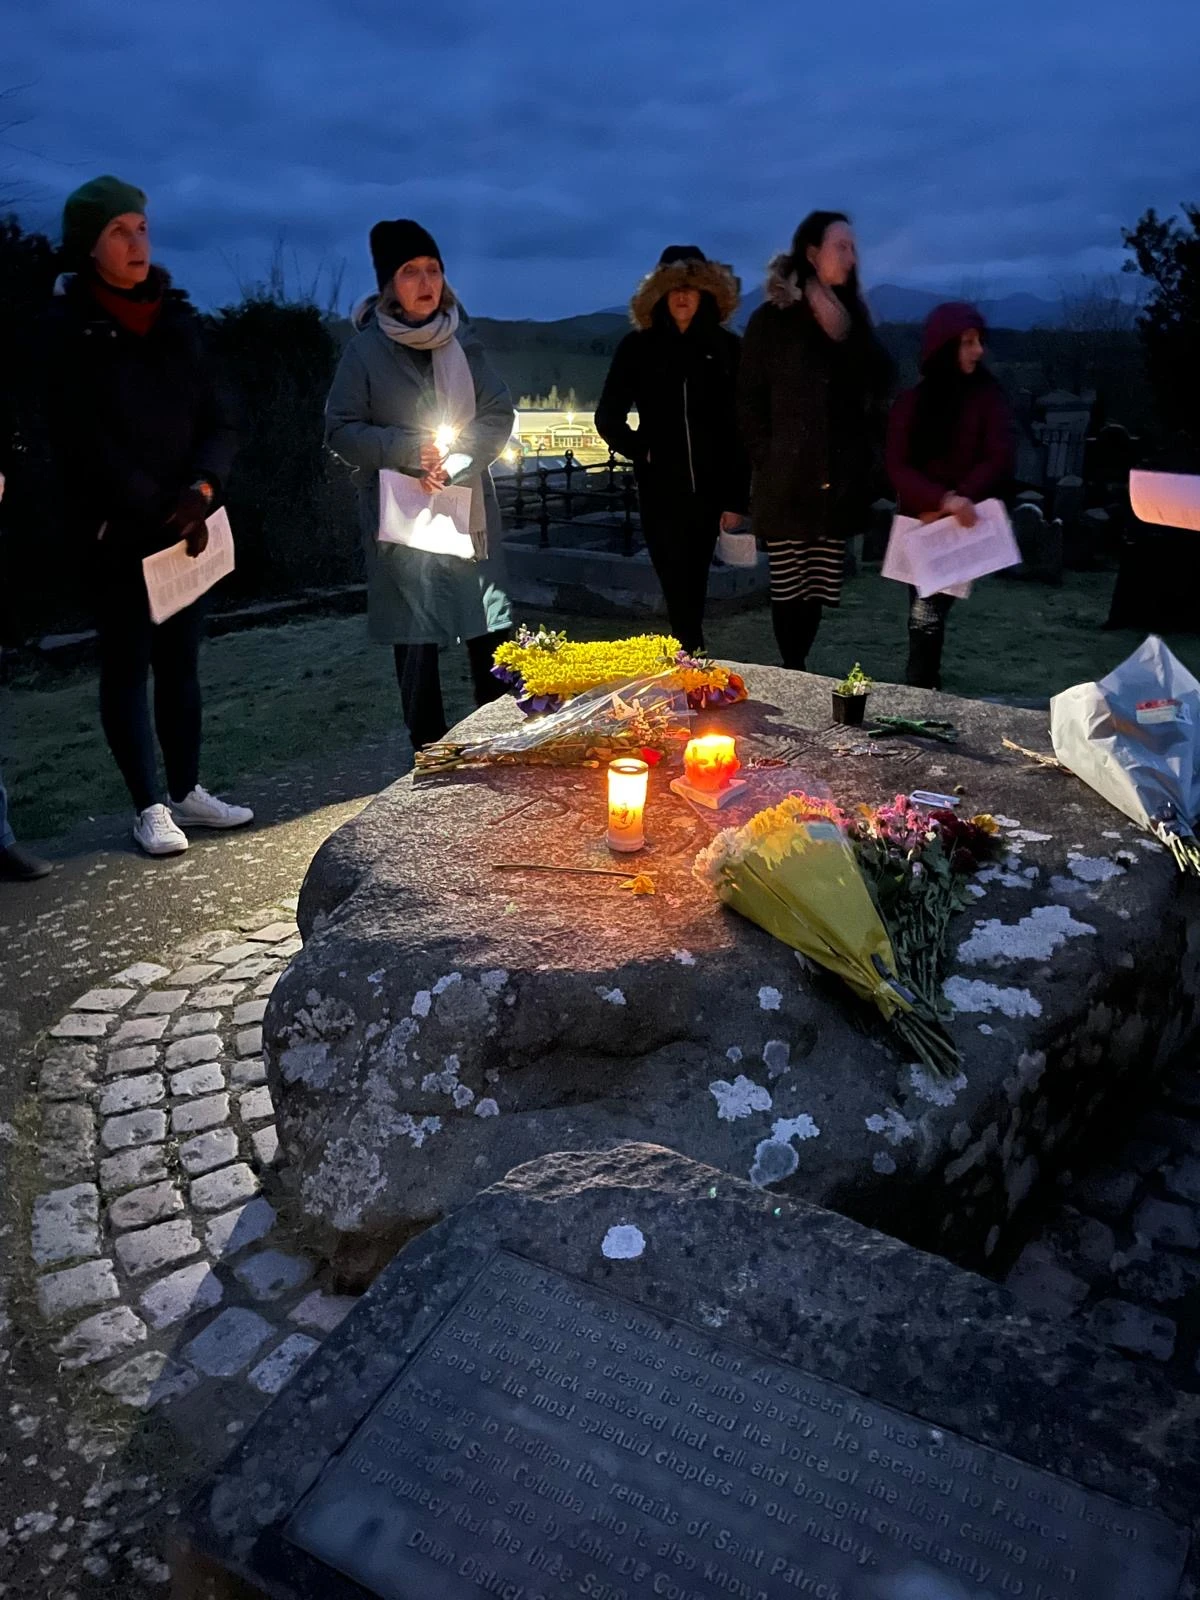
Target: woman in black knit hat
413 395
678 370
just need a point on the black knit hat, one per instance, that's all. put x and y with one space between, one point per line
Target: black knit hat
394 243
681 252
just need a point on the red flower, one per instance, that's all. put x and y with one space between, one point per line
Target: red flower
651 757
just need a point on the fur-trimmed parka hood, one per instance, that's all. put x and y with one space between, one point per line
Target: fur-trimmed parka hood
710 277
782 288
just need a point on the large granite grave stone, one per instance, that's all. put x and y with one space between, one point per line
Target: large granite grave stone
448 1020
624 1376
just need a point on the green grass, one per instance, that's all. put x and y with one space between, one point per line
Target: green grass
311 689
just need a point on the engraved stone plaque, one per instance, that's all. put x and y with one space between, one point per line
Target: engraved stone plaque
553 1440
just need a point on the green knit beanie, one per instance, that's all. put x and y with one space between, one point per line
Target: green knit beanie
89 211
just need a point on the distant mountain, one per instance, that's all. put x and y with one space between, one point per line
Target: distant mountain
890 302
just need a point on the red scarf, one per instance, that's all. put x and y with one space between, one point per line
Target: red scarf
135 316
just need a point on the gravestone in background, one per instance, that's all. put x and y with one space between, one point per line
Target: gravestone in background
624 1375
1041 545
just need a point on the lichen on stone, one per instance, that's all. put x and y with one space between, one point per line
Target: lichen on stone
1094 869
937 1091
974 995
310 1064
801 1127
774 1160
1034 938
345 1182
738 1099
623 1243
777 1055
893 1125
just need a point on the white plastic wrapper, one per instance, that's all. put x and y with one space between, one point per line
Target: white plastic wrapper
1134 737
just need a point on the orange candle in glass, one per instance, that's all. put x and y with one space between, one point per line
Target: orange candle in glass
627 779
710 763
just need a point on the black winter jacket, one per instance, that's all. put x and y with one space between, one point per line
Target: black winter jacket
684 389
133 420
813 414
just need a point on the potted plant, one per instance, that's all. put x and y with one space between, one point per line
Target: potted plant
850 696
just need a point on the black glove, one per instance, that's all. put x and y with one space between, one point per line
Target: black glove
197 538
189 518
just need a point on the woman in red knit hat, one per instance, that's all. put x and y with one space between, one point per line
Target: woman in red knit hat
950 445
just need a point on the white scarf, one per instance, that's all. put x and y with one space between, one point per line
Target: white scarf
452 382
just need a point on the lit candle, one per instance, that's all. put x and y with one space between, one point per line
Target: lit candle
444 436
710 763
626 803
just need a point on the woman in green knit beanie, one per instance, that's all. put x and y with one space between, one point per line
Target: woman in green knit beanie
144 442
88 212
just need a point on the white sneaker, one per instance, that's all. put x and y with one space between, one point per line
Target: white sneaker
157 834
203 810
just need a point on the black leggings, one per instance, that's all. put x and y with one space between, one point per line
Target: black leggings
130 646
681 540
421 684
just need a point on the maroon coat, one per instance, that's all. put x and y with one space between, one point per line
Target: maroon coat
978 461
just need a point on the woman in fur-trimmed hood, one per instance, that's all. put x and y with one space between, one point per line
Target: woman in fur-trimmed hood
678 371
414 369
812 401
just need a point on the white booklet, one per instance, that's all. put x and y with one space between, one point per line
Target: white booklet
1170 498
439 523
943 557
174 579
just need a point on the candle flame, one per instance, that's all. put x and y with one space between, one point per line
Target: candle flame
444 436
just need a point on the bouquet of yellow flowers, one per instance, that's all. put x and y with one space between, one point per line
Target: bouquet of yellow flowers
546 669
792 870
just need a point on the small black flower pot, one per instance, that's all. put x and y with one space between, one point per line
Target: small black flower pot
849 708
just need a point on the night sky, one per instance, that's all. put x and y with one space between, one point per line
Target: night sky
553 151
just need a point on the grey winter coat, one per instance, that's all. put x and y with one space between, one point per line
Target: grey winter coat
381 409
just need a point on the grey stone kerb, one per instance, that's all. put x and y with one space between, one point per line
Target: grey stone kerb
447 1020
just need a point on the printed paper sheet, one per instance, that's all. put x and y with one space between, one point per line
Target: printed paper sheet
174 579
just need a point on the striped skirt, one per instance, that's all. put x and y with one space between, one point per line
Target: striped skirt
804 569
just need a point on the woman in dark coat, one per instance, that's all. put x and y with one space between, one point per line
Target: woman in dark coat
812 400
143 444
949 445
678 370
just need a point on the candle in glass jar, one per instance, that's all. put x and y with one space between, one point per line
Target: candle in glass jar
709 763
627 778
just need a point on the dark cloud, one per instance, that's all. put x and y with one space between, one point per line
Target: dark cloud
554 155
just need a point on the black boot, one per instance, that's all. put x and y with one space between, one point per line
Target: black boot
924 670
795 623
22 866
480 652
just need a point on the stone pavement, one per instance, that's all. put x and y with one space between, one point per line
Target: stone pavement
135 1167
1122 1256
